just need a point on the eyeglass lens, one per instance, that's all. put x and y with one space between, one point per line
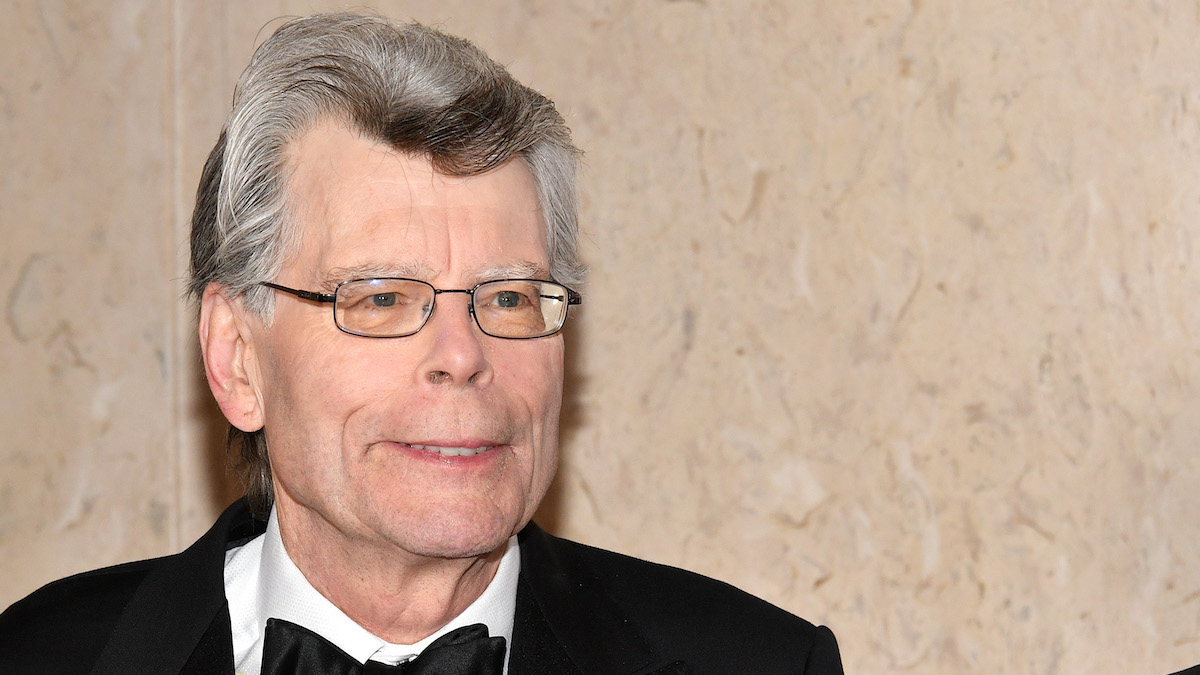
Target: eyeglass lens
398 307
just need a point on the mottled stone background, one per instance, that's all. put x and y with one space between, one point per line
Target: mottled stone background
893 317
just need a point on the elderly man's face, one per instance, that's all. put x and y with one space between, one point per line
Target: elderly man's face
356 426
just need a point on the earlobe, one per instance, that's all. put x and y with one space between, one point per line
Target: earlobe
228 352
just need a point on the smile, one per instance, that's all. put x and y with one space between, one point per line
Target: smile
451 451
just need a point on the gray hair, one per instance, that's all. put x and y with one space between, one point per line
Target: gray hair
411 87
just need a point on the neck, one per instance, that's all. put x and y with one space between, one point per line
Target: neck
394 594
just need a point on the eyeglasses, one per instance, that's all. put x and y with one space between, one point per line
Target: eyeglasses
515 309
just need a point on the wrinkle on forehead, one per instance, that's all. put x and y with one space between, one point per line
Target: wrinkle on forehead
367 211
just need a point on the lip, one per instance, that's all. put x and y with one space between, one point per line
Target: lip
458 450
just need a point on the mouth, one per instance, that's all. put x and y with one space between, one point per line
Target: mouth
449 450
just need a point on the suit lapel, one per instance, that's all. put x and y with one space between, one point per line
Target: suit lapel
567 623
178 616
214 651
535 649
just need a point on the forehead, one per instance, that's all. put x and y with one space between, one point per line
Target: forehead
365 208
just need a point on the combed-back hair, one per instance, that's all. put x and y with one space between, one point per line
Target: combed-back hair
409 86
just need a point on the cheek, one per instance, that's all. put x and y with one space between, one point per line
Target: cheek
546 426
538 377
295 374
309 386
543 383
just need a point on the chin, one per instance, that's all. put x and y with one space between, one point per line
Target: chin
459 535
456 549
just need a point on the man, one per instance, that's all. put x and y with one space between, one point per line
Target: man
383 250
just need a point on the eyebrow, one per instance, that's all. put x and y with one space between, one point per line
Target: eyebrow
521 269
338 275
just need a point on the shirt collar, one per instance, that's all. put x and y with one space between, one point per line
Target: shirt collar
282 592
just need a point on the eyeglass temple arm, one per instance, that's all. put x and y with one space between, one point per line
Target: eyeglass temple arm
573 298
306 295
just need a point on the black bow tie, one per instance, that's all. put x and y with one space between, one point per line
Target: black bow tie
294 650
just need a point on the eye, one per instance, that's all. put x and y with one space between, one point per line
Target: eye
508 299
383 299
515 296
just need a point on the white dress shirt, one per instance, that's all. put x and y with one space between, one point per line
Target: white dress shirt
262 582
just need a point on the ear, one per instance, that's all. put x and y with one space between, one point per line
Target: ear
227 348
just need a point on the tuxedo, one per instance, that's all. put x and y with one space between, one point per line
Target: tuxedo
579 611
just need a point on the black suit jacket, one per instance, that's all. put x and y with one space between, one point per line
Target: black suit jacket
580 610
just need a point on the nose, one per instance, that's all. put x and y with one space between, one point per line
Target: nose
455 349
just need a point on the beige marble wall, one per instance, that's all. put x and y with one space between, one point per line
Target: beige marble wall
893 317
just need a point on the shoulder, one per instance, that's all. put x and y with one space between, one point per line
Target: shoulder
676 608
675 592
156 605
676 596
68 621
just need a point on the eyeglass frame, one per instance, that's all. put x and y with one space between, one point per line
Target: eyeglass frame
573 298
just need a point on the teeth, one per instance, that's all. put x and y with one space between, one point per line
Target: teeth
452 452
